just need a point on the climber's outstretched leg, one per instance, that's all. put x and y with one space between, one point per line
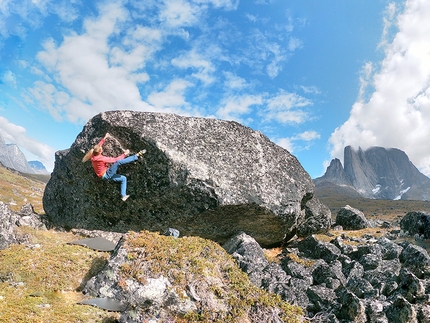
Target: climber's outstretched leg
113 176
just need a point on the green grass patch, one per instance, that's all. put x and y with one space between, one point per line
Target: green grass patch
41 282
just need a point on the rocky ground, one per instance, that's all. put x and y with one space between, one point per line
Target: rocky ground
369 274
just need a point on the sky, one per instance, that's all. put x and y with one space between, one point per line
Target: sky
313 76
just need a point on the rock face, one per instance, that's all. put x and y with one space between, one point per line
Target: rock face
378 173
345 280
204 177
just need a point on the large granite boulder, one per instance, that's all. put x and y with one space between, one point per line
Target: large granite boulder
204 177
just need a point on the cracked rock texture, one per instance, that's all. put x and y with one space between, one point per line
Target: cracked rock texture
204 177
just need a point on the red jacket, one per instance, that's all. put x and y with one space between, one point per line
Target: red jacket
101 163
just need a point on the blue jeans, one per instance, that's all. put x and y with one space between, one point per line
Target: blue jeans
111 174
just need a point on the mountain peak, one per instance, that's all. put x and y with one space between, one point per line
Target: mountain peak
379 173
12 157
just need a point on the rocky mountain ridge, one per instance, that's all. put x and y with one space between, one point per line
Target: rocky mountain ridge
11 156
378 173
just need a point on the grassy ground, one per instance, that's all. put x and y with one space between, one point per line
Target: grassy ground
16 190
41 282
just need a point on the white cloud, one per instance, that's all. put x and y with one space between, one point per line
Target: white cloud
287 108
178 13
204 66
98 77
251 18
227 4
234 82
397 113
17 135
291 143
294 43
285 143
308 136
32 13
9 78
310 89
172 99
389 22
234 107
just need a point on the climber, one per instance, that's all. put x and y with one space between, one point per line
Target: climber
106 167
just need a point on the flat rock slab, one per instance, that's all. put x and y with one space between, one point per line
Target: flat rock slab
99 244
105 303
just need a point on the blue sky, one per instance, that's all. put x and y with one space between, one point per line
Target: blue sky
314 76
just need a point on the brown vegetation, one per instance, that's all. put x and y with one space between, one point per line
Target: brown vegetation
388 210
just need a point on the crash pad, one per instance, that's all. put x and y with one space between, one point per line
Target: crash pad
105 303
98 243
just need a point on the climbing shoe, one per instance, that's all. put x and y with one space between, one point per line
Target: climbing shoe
140 153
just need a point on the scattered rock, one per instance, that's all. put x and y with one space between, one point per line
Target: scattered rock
351 219
377 281
7 226
9 221
165 279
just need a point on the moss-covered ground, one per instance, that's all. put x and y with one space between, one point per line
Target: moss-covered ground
191 259
41 281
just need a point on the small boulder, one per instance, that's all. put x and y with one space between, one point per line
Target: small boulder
361 288
322 298
7 226
317 219
249 256
401 311
390 249
416 223
324 273
311 247
352 308
410 286
351 219
415 258
375 312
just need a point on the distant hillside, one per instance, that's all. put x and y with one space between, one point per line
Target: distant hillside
16 189
377 173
